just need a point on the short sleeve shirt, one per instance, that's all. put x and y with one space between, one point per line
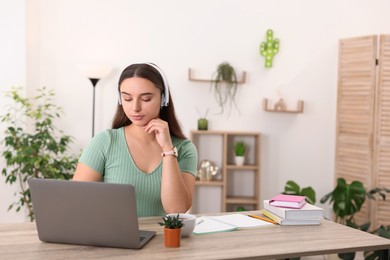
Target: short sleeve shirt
108 154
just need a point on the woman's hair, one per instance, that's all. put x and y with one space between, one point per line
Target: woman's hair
167 113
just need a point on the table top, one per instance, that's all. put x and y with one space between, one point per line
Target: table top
20 241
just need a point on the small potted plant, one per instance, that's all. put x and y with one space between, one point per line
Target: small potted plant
202 121
172 230
239 151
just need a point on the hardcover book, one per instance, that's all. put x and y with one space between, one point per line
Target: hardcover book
289 201
288 221
308 211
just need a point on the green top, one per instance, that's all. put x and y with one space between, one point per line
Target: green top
108 154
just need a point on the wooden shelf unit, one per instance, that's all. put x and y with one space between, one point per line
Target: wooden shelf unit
282 109
191 78
239 185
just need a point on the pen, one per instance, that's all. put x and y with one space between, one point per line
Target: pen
264 219
200 221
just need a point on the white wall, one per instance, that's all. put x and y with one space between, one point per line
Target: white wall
178 35
13 73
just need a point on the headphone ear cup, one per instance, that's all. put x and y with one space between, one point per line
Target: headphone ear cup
119 98
162 100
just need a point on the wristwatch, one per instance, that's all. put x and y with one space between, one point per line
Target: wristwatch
171 152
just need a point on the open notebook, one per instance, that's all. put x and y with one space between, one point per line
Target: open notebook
212 224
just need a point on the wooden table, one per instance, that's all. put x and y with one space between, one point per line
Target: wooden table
20 241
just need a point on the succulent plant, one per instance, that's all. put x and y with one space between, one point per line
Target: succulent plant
171 222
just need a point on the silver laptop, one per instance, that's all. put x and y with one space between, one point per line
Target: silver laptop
87 213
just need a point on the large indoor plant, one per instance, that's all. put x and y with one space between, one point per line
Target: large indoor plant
32 146
224 84
292 188
347 200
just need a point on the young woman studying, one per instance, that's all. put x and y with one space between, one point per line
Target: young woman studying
145 147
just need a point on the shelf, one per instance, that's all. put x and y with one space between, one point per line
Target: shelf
241 200
209 183
280 107
238 184
216 132
241 167
191 78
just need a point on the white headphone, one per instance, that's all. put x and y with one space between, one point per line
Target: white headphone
165 95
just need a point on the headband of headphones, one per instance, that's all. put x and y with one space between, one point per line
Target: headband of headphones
165 95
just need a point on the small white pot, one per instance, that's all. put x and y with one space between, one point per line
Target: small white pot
240 160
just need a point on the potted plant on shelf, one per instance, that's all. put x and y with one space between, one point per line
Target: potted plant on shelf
239 151
33 146
224 84
202 121
172 230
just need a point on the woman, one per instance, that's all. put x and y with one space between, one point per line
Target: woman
145 147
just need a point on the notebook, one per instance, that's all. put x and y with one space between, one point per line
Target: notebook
229 222
87 213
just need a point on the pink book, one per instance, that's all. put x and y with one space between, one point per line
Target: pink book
288 201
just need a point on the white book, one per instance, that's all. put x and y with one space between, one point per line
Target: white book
308 211
290 222
230 222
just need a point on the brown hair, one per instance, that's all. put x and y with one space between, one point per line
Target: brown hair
167 113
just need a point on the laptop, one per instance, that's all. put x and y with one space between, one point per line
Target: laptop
87 213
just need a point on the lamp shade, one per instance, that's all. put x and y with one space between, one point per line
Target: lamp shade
92 71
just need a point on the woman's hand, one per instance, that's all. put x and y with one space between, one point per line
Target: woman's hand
161 129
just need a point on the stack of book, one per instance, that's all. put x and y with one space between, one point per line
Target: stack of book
291 210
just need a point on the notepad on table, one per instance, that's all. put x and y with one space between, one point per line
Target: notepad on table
289 201
230 222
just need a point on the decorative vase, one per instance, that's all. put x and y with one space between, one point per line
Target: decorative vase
202 124
172 237
239 160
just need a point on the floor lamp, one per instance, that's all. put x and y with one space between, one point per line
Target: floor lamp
94 73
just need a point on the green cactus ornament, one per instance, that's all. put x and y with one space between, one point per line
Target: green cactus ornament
269 48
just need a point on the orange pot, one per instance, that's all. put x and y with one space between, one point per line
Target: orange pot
172 237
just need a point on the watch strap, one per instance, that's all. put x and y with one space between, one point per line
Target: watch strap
171 152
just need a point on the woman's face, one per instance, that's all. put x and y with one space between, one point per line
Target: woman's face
141 100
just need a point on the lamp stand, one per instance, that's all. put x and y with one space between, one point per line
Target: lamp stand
94 81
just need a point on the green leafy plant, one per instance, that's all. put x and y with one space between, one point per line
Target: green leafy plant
224 84
171 222
347 200
33 147
292 188
239 148
382 231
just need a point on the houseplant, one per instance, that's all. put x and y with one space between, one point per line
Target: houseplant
202 121
347 200
32 146
292 188
224 84
239 152
172 230
382 231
